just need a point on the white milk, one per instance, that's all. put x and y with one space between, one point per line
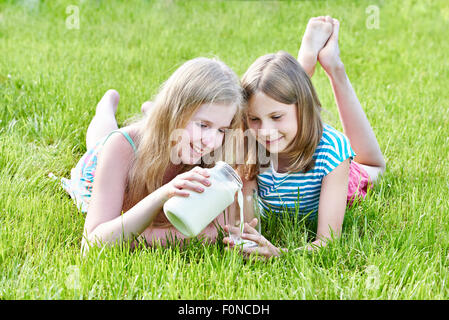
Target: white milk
236 238
190 215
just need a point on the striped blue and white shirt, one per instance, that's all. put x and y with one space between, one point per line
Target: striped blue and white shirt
299 192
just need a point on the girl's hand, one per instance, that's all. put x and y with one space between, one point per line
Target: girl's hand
264 247
315 245
189 180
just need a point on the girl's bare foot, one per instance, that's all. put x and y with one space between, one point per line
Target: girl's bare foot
329 56
317 33
108 103
146 106
104 120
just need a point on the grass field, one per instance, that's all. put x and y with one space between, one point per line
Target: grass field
394 245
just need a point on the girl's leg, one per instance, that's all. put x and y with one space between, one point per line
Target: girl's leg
104 120
317 33
146 106
357 127
355 123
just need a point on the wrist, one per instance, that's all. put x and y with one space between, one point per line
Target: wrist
163 194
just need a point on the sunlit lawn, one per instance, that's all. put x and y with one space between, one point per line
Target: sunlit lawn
394 245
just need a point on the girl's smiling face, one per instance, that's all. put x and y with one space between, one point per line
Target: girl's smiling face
205 131
274 124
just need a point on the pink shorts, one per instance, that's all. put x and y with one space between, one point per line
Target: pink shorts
359 183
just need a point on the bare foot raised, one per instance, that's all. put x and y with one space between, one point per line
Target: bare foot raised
329 56
108 103
146 106
317 33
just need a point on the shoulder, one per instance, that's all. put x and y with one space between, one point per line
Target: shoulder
123 140
117 153
132 131
335 143
333 149
333 137
117 145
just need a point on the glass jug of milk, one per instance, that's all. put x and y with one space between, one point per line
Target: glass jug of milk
190 215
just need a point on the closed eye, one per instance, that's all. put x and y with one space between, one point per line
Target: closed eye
201 125
276 117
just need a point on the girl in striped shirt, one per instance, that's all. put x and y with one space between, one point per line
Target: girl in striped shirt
314 169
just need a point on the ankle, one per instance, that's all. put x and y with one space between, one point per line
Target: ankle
336 71
308 62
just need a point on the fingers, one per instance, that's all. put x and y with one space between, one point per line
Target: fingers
256 238
246 251
232 229
253 223
195 176
201 171
176 192
190 180
185 184
228 241
249 229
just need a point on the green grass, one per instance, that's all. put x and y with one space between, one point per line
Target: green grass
394 245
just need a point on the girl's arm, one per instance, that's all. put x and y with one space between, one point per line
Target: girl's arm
105 222
331 211
332 205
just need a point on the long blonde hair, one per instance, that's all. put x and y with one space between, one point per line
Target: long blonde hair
196 82
282 78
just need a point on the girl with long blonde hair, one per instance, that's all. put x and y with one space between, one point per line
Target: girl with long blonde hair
127 174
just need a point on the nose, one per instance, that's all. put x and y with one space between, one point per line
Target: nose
267 130
210 139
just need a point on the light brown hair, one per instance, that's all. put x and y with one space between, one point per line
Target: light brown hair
282 78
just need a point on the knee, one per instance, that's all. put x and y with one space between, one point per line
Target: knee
374 172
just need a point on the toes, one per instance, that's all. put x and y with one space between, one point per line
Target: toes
317 19
113 96
109 100
335 22
313 21
146 106
336 27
